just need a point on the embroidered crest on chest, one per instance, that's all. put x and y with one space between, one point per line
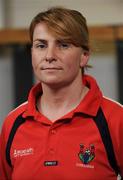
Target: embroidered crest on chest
87 154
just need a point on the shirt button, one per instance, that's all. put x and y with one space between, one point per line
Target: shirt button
53 131
51 151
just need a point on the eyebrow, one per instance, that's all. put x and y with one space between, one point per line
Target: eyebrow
40 40
57 41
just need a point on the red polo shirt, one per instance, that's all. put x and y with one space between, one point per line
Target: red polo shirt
69 148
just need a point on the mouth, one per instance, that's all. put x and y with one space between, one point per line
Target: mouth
51 68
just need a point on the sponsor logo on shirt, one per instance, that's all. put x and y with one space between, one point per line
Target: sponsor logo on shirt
23 152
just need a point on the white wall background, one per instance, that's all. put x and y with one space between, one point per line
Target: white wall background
6 85
97 12
19 13
1 14
105 70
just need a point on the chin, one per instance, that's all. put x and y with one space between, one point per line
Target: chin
53 83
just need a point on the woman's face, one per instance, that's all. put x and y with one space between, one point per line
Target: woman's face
55 61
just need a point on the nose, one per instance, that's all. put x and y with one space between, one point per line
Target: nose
51 54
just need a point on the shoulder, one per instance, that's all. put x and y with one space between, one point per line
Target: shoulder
112 106
17 111
11 117
113 112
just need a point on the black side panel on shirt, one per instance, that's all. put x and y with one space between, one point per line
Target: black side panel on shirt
102 125
20 120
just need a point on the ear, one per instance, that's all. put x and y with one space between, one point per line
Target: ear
84 59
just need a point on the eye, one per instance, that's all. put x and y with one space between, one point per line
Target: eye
38 44
41 46
64 45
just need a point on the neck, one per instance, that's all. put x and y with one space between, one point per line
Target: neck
55 103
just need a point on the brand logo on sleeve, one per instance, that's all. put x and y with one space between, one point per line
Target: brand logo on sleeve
23 152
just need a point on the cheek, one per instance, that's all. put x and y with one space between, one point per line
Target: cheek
73 61
35 59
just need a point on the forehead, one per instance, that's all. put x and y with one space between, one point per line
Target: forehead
40 30
44 31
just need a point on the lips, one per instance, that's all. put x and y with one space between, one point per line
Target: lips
51 68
